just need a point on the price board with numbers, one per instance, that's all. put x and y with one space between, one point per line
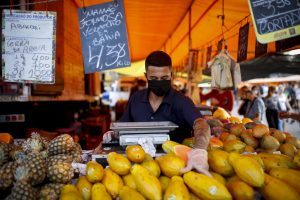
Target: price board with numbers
28 46
275 19
104 37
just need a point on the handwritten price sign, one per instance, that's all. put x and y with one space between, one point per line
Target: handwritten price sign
28 41
275 19
104 37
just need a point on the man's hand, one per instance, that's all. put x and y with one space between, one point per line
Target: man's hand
201 133
107 137
197 159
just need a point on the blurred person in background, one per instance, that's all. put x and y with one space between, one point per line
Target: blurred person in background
283 105
243 107
271 103
255 109
140 84
297 94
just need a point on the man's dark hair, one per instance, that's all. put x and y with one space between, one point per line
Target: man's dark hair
158 59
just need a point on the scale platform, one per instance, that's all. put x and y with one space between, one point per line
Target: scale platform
131 132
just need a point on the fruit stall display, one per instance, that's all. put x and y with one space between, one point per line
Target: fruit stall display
247 160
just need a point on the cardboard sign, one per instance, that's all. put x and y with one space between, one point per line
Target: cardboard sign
243 43
104 37
28 46
275 20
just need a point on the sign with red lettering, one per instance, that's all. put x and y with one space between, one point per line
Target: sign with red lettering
275 20
28 46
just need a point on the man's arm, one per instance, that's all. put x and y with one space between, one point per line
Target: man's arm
285 115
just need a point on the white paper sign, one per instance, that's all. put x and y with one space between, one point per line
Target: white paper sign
28 46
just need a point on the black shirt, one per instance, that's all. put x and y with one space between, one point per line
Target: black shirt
175 107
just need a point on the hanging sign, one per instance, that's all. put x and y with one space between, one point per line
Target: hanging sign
243 43
275 20
28 46
208 55
104 37
260 49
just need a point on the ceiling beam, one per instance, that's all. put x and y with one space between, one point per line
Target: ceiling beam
194 25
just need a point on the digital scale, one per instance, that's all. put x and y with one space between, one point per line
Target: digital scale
129 133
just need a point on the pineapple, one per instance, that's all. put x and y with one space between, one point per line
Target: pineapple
7 175
60 172
50 191
23 191
76 153
32 169
34 144
62 144
59 158
4 153
15 152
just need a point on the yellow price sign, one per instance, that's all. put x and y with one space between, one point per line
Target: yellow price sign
275 19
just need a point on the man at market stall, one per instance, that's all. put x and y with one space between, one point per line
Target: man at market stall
160 102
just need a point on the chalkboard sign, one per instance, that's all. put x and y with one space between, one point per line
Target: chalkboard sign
243 43
28 46
104 37
275 20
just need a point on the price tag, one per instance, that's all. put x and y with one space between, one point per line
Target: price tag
28 43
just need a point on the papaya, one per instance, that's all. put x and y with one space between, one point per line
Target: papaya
230 137
275 189
94 171
194 197
240 190
152 166
289 176
168 145
129 181
164 182
296 160
248 169
214 122
249 149
99 192
182 151
218 162
135 153
257 158
276 160
170 164
112 182
234 146
118 163
247 132
127 193
219 177
69 188
147 184
148 157
84 187
206 187
177 190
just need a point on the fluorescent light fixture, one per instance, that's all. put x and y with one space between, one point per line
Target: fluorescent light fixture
292 52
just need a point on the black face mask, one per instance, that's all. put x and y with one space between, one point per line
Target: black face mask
159 87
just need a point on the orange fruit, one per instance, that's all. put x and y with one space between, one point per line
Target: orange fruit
135 153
